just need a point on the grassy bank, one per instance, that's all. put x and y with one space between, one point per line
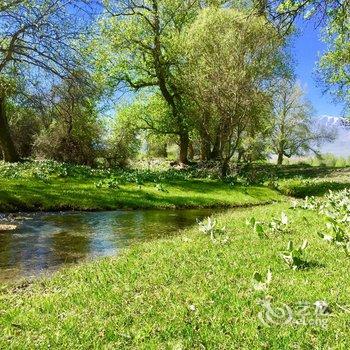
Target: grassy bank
189 292
302 181
73 194
50 186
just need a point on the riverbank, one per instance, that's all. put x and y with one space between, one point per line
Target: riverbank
190 292
52 186
82 194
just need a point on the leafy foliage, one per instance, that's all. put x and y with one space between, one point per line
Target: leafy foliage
209 227
275 226
292 129
228 102
260 283
335 207
293 256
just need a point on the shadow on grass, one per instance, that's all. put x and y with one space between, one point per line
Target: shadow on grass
300 171
312 264
34 195
312 189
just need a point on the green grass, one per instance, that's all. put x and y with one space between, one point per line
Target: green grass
82 194
48 186
186 293
314 183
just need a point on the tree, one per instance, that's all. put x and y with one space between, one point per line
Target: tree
36 38
292 130
334 16
145 117
138 49
74 131
124 142
25 125
139 37
231 57
285 12
334 65
7 146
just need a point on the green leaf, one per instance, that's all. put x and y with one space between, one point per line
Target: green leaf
259 229
257 277
250 222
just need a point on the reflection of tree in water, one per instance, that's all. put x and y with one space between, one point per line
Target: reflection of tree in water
72 242
46 242
25 252
140 225
5 249
166 223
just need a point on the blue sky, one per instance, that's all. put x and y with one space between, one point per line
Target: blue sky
306 48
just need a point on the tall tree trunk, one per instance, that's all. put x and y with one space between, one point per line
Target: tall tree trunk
8 148
280 158
170 95
184 143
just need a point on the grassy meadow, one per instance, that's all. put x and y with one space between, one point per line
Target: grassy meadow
50 186
232 282
188 292
70 194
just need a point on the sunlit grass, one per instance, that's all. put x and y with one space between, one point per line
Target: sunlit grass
187 292
82 194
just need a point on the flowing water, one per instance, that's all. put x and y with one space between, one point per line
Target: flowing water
44 242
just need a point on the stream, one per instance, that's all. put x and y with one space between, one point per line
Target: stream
43 242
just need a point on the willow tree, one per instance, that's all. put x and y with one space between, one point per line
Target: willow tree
231 58
36 40
138 49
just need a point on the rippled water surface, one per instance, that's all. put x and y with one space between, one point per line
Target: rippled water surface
44 242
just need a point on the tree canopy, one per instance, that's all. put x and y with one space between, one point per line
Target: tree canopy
200 75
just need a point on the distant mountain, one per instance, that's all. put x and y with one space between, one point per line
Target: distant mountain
341 145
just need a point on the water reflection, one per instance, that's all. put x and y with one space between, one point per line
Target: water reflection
43 242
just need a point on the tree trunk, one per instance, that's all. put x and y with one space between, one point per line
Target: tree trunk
280 158
8 148
190 151
224 168
163 152
184 143
215 153
205 149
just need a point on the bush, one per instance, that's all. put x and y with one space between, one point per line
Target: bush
77 144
